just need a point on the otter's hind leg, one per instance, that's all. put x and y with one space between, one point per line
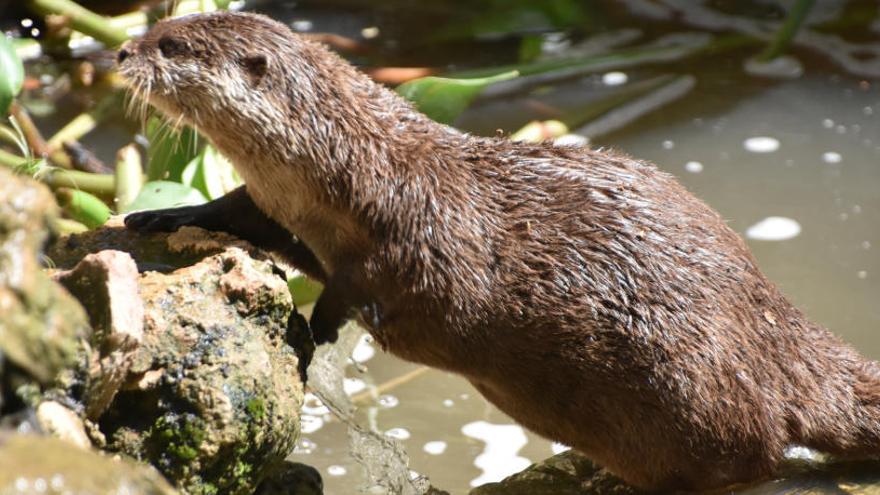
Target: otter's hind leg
236 214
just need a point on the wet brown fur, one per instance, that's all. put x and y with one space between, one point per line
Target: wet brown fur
585 293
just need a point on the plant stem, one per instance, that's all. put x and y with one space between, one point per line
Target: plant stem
99 184
32 134
11 160
82 20
82 124
129 176
787 31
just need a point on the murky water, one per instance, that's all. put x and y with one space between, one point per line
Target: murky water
793 163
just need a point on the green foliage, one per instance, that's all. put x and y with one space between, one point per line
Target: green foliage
165 194
11 73
443 99
304 290
210 173
169 152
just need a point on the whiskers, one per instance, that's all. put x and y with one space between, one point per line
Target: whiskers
137 104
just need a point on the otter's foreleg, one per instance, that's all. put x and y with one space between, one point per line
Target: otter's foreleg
236 214
340 300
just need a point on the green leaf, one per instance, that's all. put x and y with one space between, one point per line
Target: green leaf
169 152
211 173
11 73
444 99
163 194
304 290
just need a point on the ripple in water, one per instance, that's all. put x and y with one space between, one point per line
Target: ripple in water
498 460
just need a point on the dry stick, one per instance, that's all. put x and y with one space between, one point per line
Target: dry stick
32 134
391 384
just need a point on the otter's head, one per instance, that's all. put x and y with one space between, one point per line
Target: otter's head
209 70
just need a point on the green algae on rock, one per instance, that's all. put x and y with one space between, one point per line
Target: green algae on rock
31 464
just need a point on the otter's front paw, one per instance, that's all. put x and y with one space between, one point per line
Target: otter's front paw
325 322
167 220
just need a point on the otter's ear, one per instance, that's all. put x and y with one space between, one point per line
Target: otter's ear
256 65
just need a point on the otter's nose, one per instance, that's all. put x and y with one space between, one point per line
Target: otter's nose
124 52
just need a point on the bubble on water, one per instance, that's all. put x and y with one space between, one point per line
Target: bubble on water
614 78
558 448
310 424
843 216
363 351
774 229
761 144
336 470
868 111
498 459
436 447
448 403
668 144
302 25
693 167
464 396
57 482
840 129
304 446
40 485
370 32
26 23
866 244
22 484
353 385
313 405
831 157
857 209
828 123
398 433
862 274
388 401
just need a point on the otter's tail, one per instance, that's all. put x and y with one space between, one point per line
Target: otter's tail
852 431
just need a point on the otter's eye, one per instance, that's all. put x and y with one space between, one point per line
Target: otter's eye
171 47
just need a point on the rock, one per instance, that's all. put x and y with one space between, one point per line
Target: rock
106 283
31 464
63 424
570 473
42 328
292 478
212 392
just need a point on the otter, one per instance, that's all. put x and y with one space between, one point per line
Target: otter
586 294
